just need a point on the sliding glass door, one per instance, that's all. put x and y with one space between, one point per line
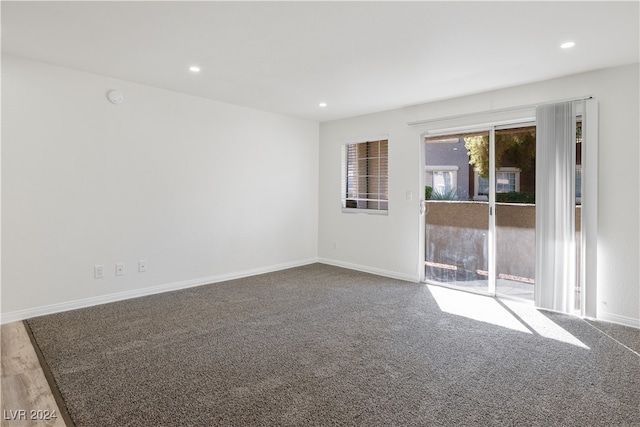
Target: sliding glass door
480 211
456 213
511 210
515 211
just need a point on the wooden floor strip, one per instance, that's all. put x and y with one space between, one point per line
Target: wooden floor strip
27 400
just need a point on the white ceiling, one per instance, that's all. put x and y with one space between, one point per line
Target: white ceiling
358 57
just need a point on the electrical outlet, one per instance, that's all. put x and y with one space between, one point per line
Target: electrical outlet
98 271
335 245
120 269
142 266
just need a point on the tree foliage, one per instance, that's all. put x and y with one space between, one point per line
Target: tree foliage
516 149
478 151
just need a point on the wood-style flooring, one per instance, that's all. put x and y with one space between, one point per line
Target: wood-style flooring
26 399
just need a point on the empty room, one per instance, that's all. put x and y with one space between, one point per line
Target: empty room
320 213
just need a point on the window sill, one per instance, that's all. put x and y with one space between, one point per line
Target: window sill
365 211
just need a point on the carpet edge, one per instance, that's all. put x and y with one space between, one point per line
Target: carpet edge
62 405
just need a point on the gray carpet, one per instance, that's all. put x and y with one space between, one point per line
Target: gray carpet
324 346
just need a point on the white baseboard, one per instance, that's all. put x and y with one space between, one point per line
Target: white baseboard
372 270
621 320
14 316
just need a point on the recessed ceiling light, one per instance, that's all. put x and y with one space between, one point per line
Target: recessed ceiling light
567 45
194 69
322 104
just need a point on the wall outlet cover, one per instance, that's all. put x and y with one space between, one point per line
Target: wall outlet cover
98 271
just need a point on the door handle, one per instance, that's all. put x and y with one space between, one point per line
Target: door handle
423 207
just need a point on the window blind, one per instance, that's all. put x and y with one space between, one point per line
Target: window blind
366 176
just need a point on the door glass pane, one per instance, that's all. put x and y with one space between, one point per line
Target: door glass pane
456 225
515 212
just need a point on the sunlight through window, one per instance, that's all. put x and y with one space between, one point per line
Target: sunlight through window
517 315
476 307
542 324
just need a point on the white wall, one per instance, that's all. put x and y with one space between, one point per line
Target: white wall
390 244
202 190
205 190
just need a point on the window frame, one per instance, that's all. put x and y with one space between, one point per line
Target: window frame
429 170
506 169
347 181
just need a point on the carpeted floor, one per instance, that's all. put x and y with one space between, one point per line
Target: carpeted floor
324 346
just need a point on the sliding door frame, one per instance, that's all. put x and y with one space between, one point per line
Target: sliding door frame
589 224
491 289
491 226
589 218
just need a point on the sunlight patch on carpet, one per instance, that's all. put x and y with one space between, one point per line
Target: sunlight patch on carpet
542 324
517 316
476 307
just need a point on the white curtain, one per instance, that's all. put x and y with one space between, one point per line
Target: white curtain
555 206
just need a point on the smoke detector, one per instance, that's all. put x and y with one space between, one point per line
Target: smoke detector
115 96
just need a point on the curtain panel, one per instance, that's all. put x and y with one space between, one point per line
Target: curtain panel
555 206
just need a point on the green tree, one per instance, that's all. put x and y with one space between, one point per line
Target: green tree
478 152
517 148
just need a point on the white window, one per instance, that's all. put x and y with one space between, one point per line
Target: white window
442 179
365 177
507 181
